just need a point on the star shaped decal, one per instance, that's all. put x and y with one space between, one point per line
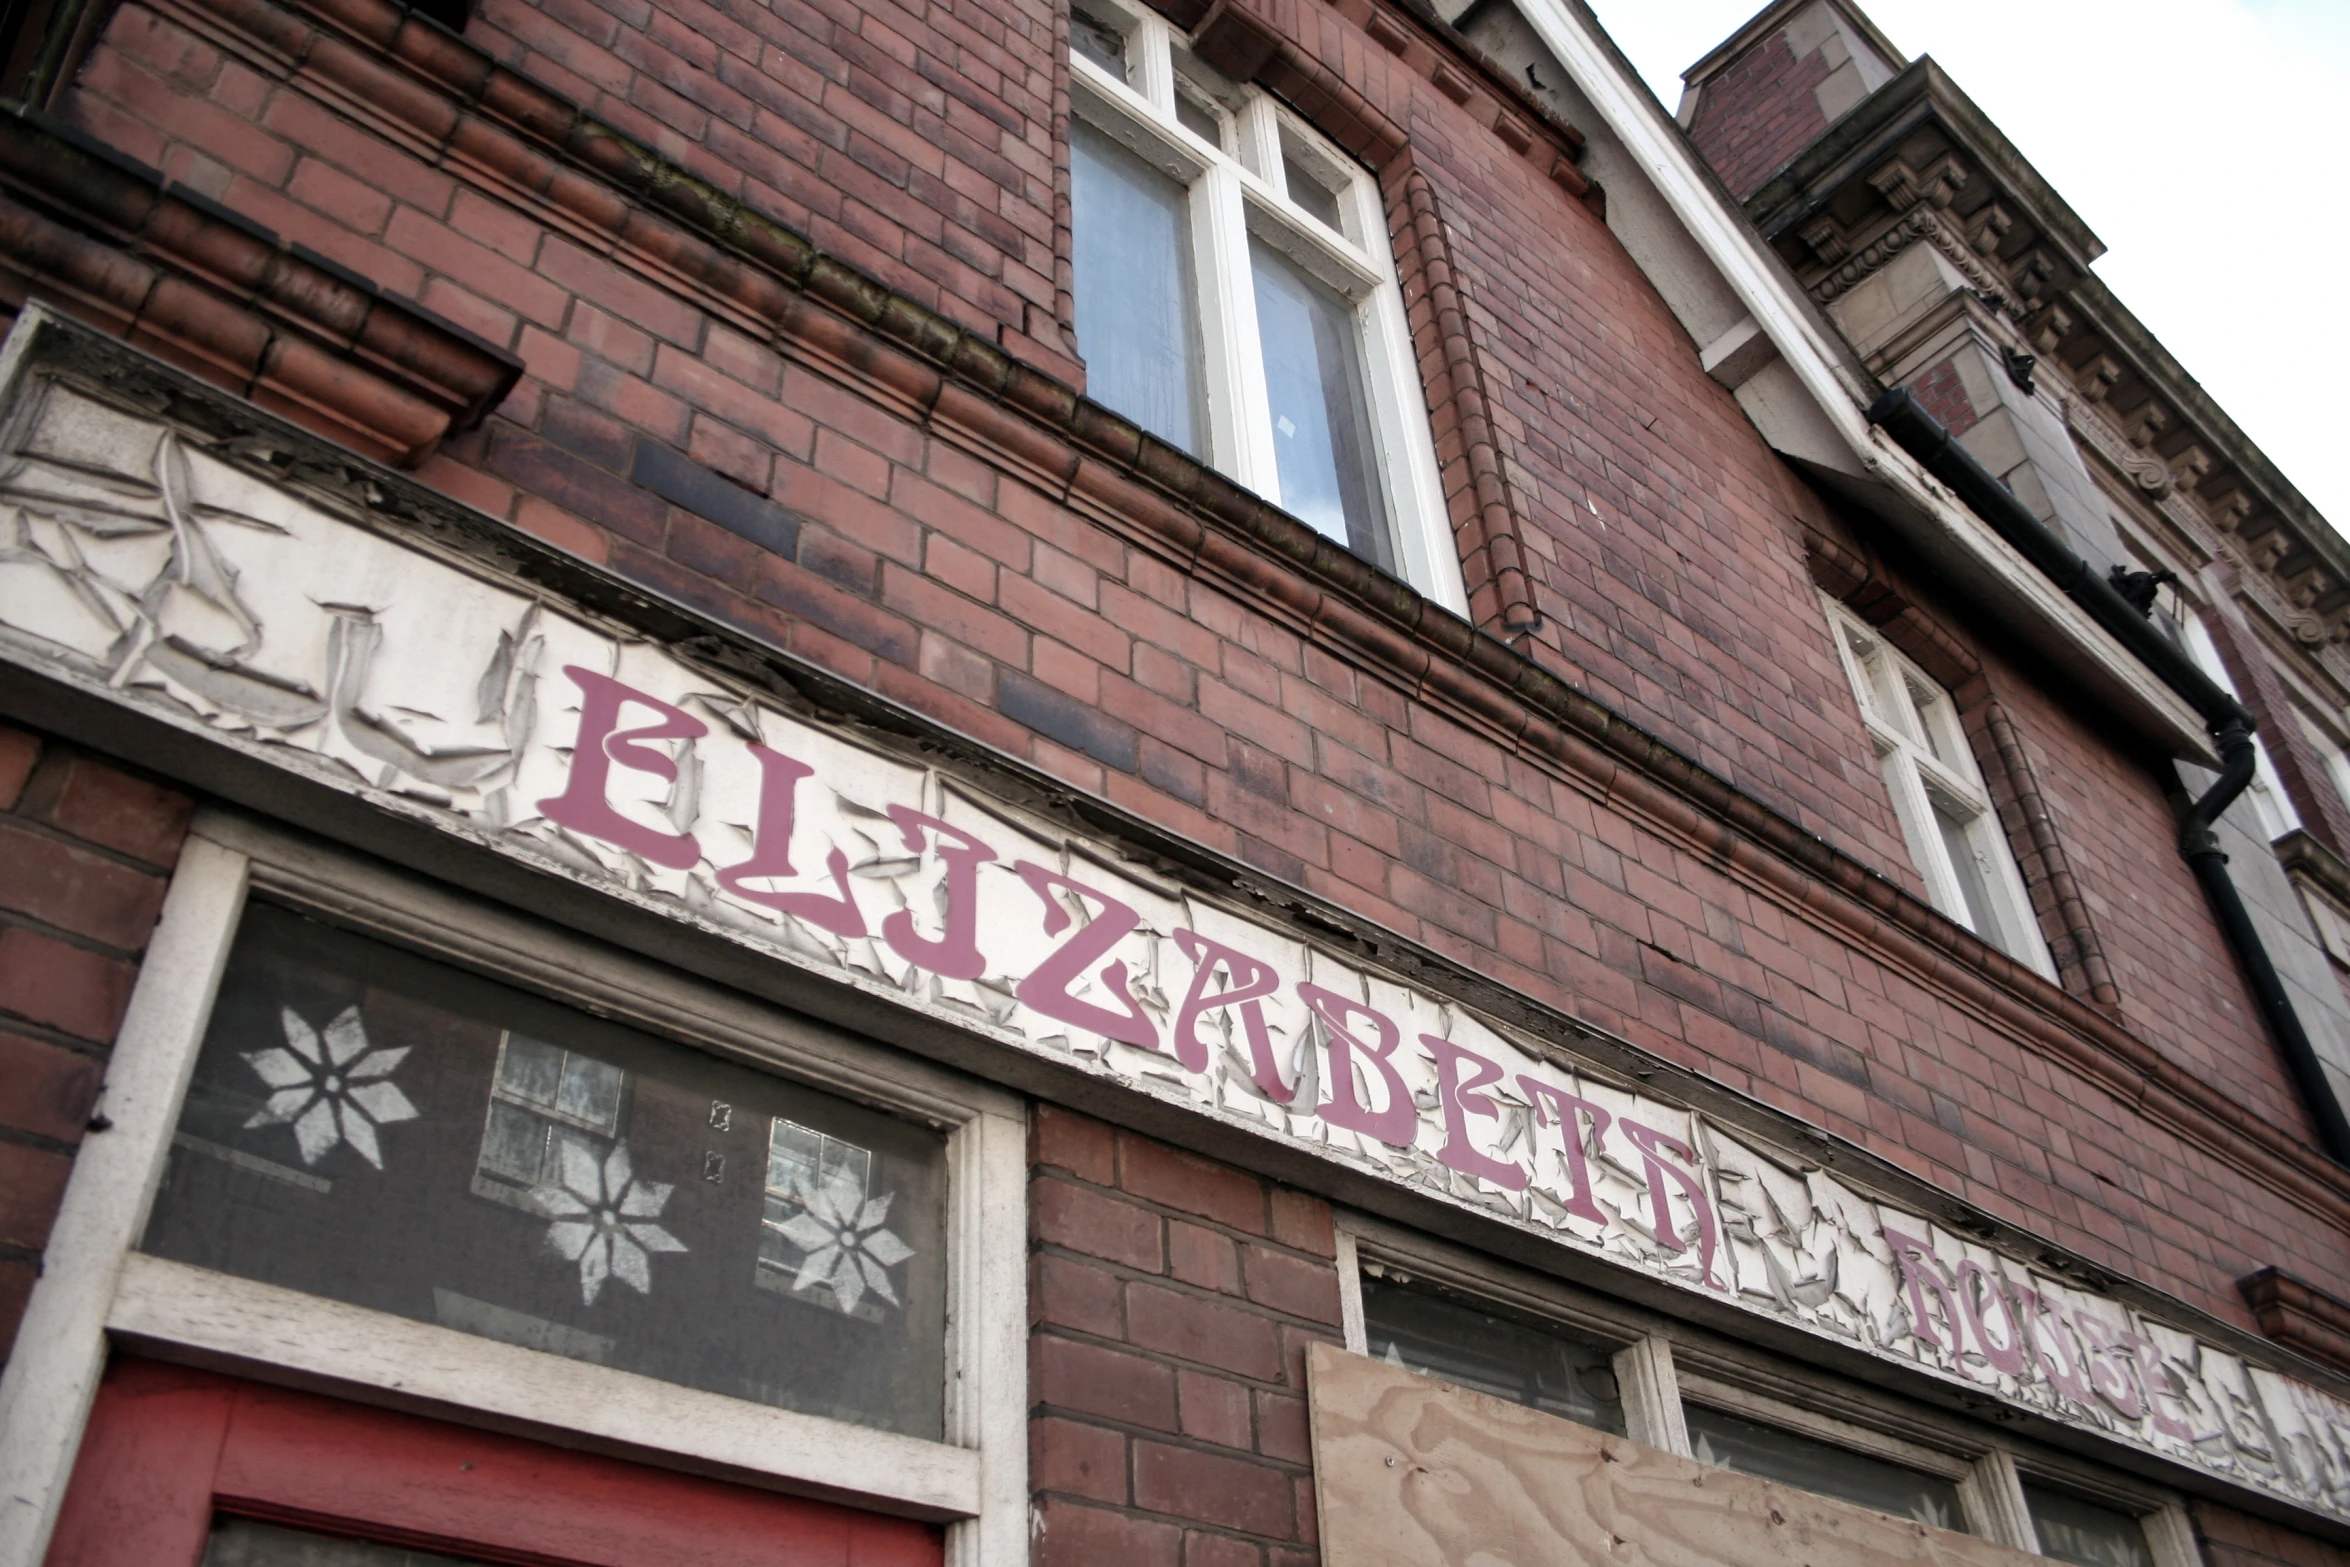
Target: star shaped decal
333 1091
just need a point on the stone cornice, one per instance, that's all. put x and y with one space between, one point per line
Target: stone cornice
486 123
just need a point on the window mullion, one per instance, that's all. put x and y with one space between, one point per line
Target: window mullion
1652 1395
1993 1494
1240 415
1154 65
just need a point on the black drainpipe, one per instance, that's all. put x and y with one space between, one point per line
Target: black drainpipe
1918 433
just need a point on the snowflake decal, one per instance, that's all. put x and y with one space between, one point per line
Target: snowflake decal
603 1219
332 1090
847 1247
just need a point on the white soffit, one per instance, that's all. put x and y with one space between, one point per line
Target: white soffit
1811 405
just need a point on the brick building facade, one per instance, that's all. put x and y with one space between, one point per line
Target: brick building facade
848 781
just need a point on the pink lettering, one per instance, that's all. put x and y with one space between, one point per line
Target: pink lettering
1047 989
955 954
2155 1378
1396 1123
584 806
1567 1107
1915 1260
779 787
1973 1283
2108 1374
2046 1325
1653 1144
1460 1101
1252 981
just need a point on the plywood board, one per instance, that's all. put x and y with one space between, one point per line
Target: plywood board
1411 1470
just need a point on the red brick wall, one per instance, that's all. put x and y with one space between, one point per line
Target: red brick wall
834 516
2233 1539
1941 393
1756 113
1172 1300
85 850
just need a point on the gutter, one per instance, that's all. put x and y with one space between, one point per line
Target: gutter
1917 432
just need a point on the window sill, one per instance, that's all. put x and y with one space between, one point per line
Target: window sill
263 1328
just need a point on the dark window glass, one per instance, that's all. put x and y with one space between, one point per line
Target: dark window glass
2072 1530
1137 310
1197 118
240 1542
1321 421
1311 194
1770 1453
379 1128
1099 42
1539 1367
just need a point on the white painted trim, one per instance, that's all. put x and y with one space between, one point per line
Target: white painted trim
265 1327
1651 1391
1763 286
60 1350
987 1350
1349 1263
2170 1537
1993 1494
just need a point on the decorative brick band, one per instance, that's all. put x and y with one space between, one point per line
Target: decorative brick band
2299 1315
494 126
107 239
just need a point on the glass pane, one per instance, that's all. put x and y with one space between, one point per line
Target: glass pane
240 1542
1321 423
1197 118
1311 194
2072 1530
1098 41
1541 1368
1930 716
1769 1453
379 1128
1957 837
1137 310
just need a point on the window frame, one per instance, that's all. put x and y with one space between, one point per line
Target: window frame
1916 777
102 1290
1238 191
1663 1364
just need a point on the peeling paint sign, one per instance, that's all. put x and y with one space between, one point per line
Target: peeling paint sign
140 565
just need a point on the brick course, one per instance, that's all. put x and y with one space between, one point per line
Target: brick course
85 852
1167 1354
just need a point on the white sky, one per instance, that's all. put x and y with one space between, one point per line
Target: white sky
2198 138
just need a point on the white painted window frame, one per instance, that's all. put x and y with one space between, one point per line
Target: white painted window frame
1239 188
99 1288
1657 1383
1907 734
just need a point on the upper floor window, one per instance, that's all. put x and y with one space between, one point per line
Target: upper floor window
1945 812
1237 298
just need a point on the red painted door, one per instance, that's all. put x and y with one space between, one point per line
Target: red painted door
173 1451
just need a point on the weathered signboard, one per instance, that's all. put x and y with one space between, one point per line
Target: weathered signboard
139 565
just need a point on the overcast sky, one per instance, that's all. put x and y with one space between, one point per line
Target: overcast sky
2199 139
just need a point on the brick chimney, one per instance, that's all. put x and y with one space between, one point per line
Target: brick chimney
1769 91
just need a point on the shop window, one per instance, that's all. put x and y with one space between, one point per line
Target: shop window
245 1542
354 1105
1458 1340
1236 295
1772 1453
411 1142
1954 836
2083 1532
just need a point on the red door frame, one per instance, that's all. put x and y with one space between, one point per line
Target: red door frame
168 1446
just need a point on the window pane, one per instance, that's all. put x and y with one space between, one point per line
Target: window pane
379 1128
240 1542
1769 1453
1137 310
1311 194
1538 1367
1197 118
1098 41
1957 835
2072 1530
1321 426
